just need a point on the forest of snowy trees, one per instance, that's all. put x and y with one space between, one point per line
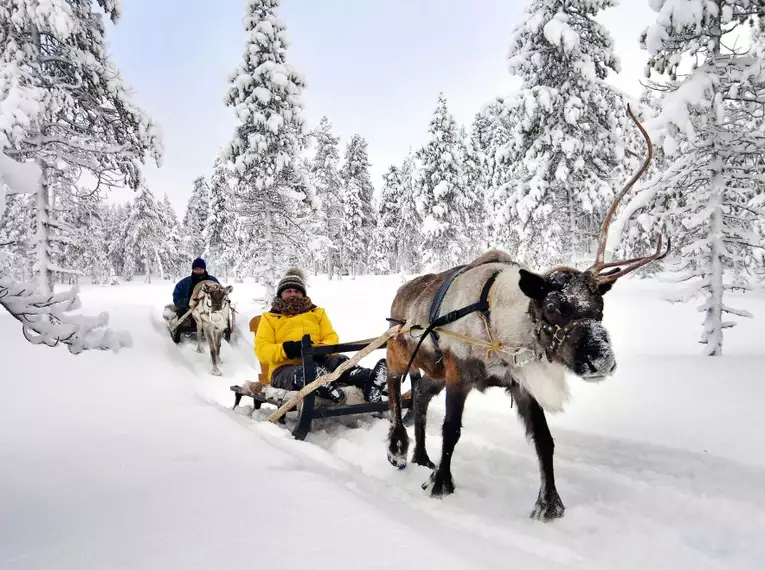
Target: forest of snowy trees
534 173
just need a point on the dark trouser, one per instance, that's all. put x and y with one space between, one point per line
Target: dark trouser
290 376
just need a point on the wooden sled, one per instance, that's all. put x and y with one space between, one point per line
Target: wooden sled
314 407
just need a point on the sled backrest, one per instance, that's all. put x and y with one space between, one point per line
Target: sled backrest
263 376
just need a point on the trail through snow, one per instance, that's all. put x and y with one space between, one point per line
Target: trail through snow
136 460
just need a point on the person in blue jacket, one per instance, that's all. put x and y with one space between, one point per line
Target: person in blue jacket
184 287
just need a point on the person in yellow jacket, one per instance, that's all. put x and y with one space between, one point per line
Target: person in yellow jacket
277 343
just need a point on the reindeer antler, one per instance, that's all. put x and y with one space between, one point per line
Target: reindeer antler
637 262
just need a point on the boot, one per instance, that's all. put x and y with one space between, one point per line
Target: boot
376 381
330 391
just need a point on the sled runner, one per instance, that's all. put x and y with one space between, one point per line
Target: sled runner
311 406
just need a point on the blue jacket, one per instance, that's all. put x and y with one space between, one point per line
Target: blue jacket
183 290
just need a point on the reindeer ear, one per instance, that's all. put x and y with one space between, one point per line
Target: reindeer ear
229 288
604 288
533 286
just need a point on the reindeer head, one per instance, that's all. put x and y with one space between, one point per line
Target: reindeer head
216 296
567 304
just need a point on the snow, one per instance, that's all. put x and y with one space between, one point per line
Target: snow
133 459
559 33
19 177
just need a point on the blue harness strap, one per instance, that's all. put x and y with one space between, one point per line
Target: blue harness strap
482 305
435 306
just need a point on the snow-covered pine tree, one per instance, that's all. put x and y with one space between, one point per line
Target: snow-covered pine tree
116 219
195 219
641 236
65 103
385 257
492 130
265 93
358 213
174 261
46 318
711 128
309 217
473 182
17 234
144 235
325 176
85 249
441 201
569 123
409 229
220 233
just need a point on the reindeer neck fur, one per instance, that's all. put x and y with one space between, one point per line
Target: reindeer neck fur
510 323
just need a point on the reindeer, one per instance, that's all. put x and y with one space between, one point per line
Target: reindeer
504 326
213 315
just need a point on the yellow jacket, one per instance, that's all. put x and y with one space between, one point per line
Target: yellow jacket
274 329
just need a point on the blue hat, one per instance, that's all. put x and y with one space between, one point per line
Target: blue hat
199 262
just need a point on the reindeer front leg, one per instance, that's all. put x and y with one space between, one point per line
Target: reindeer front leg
214 338
440 481
200 335
549 505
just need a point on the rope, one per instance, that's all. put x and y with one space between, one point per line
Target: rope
491 346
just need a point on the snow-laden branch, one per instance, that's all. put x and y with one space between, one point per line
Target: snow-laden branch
45 319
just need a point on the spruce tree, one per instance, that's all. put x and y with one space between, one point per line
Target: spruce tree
441 201
265 94
711 130
564 144
195 219
325 176
65 104
220 230
358 215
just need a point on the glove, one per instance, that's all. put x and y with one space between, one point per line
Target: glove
292 348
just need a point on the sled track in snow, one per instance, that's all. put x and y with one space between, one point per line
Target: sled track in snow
630 505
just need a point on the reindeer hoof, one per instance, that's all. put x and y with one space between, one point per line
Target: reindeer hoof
439 484
398 446
398 461
548 507
216 372
421 458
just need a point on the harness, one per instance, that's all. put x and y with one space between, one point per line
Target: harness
481 306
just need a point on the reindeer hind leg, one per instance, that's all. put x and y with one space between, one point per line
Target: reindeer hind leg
398 438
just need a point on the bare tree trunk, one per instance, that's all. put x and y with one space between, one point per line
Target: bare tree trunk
713 323
44 274
159 265
572 233
270 257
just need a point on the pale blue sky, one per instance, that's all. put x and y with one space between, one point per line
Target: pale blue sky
373 67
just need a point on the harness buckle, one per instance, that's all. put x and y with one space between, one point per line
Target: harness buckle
562 337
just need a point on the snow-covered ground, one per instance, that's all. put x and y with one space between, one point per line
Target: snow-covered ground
134 460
